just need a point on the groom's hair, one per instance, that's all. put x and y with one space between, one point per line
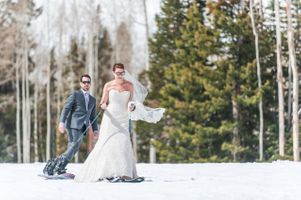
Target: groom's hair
118 65
85 75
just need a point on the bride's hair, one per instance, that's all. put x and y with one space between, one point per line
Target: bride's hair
118 65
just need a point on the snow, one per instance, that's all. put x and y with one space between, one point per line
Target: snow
212 181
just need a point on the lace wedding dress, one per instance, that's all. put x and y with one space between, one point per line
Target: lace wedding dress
112 155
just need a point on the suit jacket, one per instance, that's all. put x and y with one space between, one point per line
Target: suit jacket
74 113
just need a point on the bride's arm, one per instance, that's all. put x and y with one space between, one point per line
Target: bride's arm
131 104
131 89
104 98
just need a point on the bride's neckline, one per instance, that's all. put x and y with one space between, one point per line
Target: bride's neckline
119 91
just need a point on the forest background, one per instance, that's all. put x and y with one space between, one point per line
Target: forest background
225 70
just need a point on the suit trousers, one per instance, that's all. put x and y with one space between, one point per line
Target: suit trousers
75 138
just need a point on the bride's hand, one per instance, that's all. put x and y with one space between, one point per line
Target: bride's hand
131 106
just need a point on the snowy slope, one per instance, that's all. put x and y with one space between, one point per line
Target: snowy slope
248 181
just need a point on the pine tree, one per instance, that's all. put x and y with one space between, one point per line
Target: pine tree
194 130
210 89
162 46
233 20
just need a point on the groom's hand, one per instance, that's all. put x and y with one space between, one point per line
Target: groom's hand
61 127
103 106
96 135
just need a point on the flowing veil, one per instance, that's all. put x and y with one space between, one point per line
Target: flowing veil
142 112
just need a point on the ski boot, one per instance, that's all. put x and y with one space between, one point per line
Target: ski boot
60 166
49 167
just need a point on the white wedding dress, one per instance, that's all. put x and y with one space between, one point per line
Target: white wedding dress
112 155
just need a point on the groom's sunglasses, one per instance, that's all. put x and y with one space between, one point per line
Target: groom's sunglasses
120 73
86 82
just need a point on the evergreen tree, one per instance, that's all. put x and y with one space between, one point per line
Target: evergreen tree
233 21
194 130
210 87
162 46
238 46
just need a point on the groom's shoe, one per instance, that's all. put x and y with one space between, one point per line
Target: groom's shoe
60 166
49 167
46 167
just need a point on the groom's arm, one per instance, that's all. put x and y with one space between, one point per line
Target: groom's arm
67 107
92 117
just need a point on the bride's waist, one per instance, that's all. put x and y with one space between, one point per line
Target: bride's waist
117 107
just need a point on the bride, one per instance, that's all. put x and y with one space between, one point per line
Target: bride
113 156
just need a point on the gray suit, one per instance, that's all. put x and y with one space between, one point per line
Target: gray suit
76 118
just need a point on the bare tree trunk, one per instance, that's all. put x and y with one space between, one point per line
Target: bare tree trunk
42 150
289 104
90 63
96 44
147 34
235 140
116 56
28 110
93 48
292 60
24 124
90 56
76 20
152 152
60 68
125 45
35 129
18 134
25 99
279 81
259 81
96 70
93 71
48 136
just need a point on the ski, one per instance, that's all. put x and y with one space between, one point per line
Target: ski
123 180
63 176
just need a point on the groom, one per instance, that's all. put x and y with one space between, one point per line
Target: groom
79 110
